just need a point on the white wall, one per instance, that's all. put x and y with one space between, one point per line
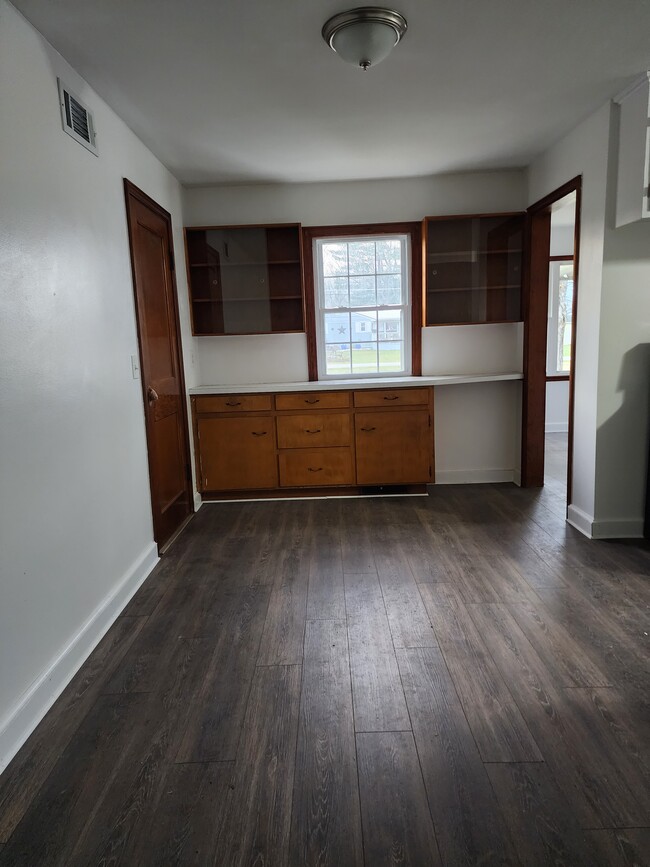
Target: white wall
623 372
472 349
75 517
557 406
584 151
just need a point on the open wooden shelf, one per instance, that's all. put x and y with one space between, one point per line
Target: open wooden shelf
473 271
245 279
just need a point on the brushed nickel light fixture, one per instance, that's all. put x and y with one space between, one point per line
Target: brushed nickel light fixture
364 36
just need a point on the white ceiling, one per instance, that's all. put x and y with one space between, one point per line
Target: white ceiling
234 91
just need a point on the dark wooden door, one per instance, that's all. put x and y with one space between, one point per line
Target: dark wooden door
163 384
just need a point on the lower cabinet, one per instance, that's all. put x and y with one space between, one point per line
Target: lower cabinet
370 437
393 448
237 454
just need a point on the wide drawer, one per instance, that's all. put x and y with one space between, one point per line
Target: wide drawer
392 397
233 403
314 430
313 400
316 467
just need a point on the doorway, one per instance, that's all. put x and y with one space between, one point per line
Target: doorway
551 301
163 383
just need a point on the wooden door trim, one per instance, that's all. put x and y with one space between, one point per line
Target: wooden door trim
133 192
310 233
535 325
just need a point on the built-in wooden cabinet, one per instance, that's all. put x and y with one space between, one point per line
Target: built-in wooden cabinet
245 279
314 440
473 269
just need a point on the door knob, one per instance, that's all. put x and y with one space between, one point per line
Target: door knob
152 395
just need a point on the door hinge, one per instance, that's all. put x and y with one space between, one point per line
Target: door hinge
172 263
429 421
429 472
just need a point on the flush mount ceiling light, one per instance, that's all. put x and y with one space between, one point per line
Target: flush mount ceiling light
364 36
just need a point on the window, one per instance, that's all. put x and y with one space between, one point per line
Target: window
560 308
363 316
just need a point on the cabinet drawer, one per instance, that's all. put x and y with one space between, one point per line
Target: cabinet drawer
314 430
233 403
313 400
316 467
392 397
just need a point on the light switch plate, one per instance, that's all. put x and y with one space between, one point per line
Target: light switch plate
135 366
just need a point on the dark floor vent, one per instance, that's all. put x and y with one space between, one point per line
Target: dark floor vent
77 119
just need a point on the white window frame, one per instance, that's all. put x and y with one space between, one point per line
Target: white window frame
405 307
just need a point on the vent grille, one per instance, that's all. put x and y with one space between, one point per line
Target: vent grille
77 119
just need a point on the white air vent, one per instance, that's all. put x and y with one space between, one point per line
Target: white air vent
77 119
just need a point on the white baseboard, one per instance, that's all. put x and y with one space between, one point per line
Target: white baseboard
556 427
516 477
580 520
471 477
629 528
198 502
30 709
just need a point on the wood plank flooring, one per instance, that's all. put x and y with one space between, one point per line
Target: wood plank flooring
459 679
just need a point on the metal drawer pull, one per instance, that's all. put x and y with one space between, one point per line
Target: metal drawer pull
318 430
394 397
233 403
368 428
261 433
316 400
314 469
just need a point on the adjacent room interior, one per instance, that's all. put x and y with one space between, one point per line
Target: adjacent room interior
324 433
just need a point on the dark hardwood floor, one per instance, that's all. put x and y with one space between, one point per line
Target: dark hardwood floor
458 679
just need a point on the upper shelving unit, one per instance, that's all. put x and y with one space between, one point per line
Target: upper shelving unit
245 279
473 268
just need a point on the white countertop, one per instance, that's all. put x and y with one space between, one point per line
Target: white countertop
346 384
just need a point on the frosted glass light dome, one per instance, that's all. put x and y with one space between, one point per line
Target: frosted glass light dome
364 36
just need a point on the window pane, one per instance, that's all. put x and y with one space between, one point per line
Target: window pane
564 324
336 292
335 259
389 289
389 325
391 356
337 328
364 358
361 257
362 292
364 327
337 358
389 257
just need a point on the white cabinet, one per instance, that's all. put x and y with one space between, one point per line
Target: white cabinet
633 179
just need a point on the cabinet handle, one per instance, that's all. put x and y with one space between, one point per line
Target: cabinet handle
261 433
314 469
314 400
318 430
394 397
368 429
233 403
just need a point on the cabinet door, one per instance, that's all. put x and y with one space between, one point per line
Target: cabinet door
237 453
393 448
